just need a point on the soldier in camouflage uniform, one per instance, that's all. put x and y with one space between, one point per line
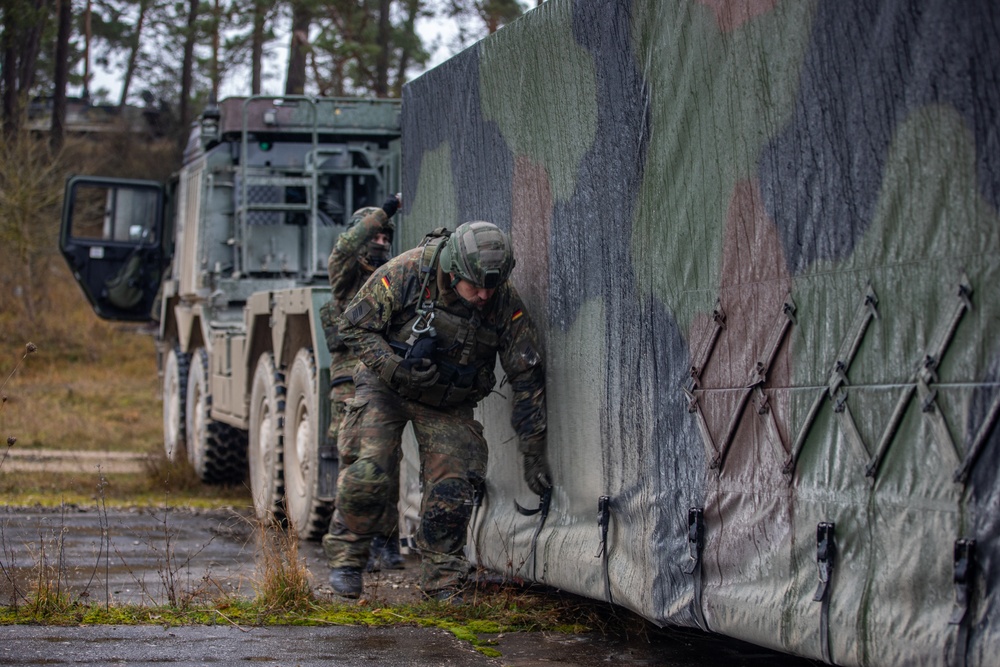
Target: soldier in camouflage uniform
428 327
357 253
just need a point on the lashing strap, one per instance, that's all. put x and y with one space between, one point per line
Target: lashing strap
835 388
922 382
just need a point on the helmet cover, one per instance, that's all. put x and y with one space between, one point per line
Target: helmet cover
480 253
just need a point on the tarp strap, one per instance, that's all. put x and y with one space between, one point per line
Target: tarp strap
758 377
696 542
964 560
478 495
922 380
979 442
836 383
603 522
826 549
699 362
770 423
701 359
695 409
544 502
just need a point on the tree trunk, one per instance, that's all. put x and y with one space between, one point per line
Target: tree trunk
257 46
11 113
295 81
384 45
187 69
409 27
133 55
58 130
216 27
33 44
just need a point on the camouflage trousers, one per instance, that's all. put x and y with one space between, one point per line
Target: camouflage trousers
453 455
341 392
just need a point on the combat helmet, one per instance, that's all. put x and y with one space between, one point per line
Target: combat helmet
478 252
373 255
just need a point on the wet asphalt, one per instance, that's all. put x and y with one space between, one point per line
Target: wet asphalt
146 556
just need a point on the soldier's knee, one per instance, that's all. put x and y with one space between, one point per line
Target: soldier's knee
447 510
362 496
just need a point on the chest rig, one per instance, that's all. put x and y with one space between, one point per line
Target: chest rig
462 345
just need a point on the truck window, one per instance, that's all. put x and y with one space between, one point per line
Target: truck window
113 213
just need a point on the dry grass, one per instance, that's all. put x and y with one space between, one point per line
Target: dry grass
101 399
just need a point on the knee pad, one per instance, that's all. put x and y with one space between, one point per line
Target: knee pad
447 509
362 496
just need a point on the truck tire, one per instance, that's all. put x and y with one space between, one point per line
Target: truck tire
216 451
308 515
175 378
267 409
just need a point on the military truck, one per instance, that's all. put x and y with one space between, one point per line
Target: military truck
229 259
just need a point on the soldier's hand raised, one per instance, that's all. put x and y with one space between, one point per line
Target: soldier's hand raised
392 204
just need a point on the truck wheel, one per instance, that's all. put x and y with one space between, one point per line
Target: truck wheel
308 515
217 451
267 407
175 378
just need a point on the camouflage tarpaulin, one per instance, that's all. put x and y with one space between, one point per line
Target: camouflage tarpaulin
762 241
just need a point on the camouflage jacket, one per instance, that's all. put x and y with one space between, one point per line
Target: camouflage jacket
380 318
347 274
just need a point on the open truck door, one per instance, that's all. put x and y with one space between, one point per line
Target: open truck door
112 239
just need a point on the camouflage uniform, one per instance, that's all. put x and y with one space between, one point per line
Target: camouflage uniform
348 271
379 324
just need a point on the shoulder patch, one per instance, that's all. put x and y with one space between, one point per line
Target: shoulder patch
385 282
517 315
358 312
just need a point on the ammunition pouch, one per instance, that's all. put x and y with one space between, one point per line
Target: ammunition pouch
455 385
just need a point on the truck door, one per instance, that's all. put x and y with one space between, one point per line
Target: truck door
112 239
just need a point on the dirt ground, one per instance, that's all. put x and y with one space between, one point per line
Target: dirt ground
150 555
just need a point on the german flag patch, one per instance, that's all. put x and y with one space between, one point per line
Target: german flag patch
517 315
385 282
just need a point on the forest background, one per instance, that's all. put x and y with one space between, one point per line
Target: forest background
92 385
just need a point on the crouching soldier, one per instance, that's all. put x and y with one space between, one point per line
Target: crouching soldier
428 327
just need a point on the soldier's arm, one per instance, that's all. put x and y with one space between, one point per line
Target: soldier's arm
365 319
344 257
521 358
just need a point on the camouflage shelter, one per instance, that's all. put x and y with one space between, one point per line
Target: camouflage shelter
762 241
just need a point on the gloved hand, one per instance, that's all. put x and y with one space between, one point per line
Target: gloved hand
392 205
537 473
421 373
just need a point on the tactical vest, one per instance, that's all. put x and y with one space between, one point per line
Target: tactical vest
463 348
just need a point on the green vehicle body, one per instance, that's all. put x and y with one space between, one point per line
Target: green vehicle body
230 260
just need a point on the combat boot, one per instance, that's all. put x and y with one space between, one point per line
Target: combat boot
384 554
346 581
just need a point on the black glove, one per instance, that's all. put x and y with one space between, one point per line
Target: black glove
391 205
424 348
537 473
421 373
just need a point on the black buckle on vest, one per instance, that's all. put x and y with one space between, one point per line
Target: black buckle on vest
696 536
